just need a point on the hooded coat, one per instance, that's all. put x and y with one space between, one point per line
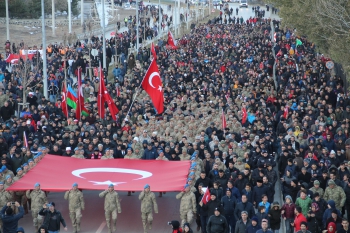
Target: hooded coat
288 208
275 217
328 213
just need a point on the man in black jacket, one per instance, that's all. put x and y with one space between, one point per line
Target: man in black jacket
52 218
203 180
228 202
244 206
217 223
210 206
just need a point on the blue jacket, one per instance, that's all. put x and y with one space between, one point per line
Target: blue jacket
10 222
150 154
235 192
330 145
253 229
328 212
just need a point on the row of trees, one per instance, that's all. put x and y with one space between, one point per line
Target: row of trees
324 22
31 9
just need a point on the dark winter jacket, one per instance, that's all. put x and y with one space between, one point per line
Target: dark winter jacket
247 206
10 222
229 204
217 224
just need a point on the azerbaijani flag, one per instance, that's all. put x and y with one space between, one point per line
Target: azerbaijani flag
72 98
72 101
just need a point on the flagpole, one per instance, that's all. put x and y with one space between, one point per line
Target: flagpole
79 92
137 90
99 91
65 84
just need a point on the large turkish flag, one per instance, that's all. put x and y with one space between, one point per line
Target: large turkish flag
56 173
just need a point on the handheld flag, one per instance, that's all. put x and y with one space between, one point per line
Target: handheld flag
206 196
152 84
64 100
171 41
244 115
153 51
223 119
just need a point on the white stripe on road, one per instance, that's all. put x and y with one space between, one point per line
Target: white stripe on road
103 224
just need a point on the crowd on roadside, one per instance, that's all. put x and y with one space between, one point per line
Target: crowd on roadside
300 127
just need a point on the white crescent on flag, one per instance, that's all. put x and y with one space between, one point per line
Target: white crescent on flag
151 77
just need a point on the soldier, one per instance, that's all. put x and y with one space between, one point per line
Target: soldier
107 155
184 156
8 181
335 193
111 206
161 156
25 168
38 199
76 204
6 171
147 199
129 154
5 197
187 205
79 154
20 197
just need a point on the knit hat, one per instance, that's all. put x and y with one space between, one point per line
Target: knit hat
255 219
289 197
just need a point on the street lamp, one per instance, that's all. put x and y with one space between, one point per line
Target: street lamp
7 20
69 16
43 32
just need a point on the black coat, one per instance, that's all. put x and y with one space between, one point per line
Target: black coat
244 207
217 224
48 215
257 194
275 218
6 112
210 206
228 204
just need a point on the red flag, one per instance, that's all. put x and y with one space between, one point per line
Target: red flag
153 51
111 106
25 142
206 196
12 58
244 115
80 103
92 174
64 101
223 119
171 41
152 84
117 89
285 113
100 97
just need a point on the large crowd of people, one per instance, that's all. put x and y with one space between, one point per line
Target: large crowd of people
290 131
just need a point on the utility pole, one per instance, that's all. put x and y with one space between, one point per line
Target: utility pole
69 16
53 18
7 20
43 32
137 26
104 65
160 18
81 12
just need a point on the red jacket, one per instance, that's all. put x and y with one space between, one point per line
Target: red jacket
298 220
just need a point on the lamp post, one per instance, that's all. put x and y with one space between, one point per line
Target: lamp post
104 36
69 16
81 12
43 32
53 18
7 20
137 26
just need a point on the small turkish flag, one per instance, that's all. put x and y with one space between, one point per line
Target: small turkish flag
206 196
244 115
12 58
285 113
153 51
223 119
152 84
171 41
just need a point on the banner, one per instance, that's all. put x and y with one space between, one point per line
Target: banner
57 174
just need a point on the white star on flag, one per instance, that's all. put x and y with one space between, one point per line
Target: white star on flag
160 88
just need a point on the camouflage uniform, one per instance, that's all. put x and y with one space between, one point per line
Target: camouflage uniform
5 197
78 156
162 158
111 206
107 157
187 206
21 197
148 199
336 194
76 204
38 199
319 191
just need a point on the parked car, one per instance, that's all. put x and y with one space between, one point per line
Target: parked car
216 3
243 3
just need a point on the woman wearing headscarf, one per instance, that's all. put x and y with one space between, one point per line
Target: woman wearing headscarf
331 228
314 219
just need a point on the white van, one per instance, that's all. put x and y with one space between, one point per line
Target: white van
243 3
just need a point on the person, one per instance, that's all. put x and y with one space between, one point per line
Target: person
111 207
52 218
287 212
148 200
228 203
20 230
175 226
187 228
244 205
187 205
264 227
304 202
9 218
314 219
38 199
75 205
345 226
331 228
275 217
254 227
303 228
217 223
243 223
335 193
299 218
